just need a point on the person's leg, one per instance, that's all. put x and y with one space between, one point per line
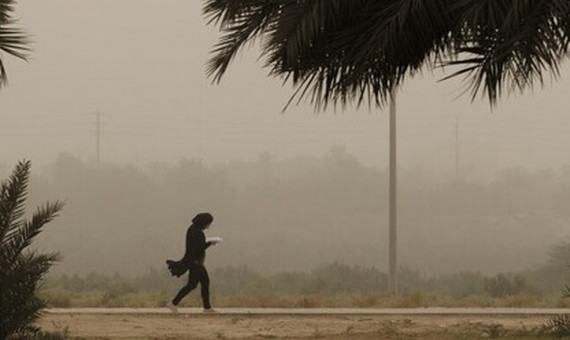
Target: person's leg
205 287
193 279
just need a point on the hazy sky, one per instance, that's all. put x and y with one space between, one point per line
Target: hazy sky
141 64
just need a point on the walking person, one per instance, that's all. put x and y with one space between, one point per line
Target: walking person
193 262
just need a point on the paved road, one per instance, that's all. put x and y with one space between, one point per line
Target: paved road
321 311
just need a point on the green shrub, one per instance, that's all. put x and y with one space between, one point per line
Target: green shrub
21 269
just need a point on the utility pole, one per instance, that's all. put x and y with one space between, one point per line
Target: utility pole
393 218
456 145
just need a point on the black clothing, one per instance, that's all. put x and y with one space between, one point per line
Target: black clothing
197 274
202 219
196 245
193 262
176 268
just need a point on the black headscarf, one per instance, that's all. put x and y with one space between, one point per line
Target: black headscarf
202 220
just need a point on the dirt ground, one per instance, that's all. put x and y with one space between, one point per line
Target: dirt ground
293 326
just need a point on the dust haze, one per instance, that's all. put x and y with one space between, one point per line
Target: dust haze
296 214
480 189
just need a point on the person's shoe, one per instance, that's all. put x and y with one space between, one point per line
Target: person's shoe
209 310
173 308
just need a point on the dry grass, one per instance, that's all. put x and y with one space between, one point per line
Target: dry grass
57 297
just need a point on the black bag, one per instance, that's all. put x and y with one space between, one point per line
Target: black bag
176 268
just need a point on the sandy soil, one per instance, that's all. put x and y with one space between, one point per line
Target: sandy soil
281 326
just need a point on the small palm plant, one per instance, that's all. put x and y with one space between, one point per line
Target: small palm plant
21 270
559 325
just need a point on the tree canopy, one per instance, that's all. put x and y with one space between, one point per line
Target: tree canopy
337 51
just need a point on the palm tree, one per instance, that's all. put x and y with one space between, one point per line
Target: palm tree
21 271
13 41
342 51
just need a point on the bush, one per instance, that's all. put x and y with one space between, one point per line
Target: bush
459 285
559 325
56 297
501 285
338 277
21 271
41 335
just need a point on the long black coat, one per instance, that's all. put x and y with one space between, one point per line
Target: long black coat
195 253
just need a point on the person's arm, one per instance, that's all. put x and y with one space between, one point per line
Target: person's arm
196 243
205 244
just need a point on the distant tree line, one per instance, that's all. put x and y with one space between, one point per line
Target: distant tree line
283 215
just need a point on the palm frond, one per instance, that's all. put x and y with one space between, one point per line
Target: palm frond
21 271
559 326
21 238
366 49
339 51
510 45
13 41
13 194
32 266
336 50
21 306
241 21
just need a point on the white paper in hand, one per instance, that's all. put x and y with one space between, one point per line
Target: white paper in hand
215 239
